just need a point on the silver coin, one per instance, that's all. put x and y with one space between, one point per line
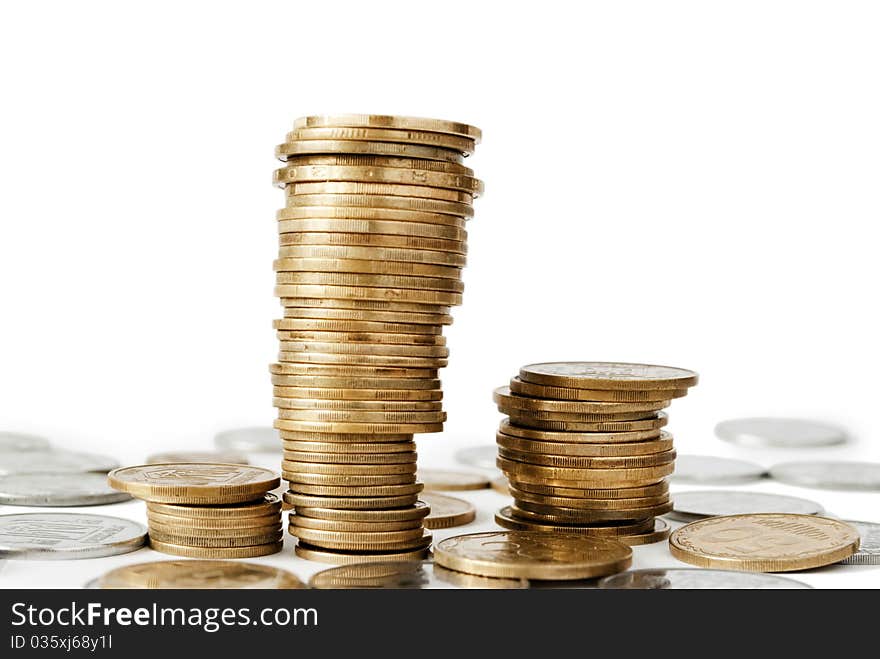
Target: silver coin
711 470
86 489
19 441
255 439
65 536
53 462
225 457
829 475
690 506
478 456
780 432
869 546
422 575
696 579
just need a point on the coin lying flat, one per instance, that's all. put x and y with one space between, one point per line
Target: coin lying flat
780 432
869 544
530 555
447 512
53 462
65 536
607 375
478 456
19 441
765 542
251 551
405 575
200 575
436 479
829 475
194 482
256 439
711 470
689 506
228 457
391 121
341 557
57 490
696 579
269 504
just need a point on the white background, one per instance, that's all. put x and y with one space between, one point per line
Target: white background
689 183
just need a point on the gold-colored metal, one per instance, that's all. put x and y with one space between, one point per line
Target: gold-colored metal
361 160
216 552
218 537
345 448
653 423
447 512
377 253
353 326
213 523
506 518
659 533
622 477
576 418
355 280
268 505
345 371
349 469
199 575
410 295
308 552
607 375
550 501
290 150
521 388
411 513
341 488
454 142
379 189
348 502
370 241
581 462
366 315
607 492
363 459
390 121
367 213
194 482
286 402
340 526
504 398
302 480
363 348
646 447
359 359
359 395
501 485
391 306
353 541
437 479
557 515
381 202
297 173
359 416
591 437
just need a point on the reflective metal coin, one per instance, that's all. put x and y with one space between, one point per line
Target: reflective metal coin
53 462
438 479
198 575
689 506
711 470
405 575
478 456
447 512
696 579
86 489
227 457
829 475
780 432
869 547
255 439
54 536
19 441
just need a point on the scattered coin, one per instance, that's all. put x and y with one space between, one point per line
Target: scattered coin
869 545
689 506
227 457
19 441
63 536
257 439
53 461
711 470
450 481
478 456
529 555
829 475
199 574
780 432
194 483
765 542
447 512
696 579
57 490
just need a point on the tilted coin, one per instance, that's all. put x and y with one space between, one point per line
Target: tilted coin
342 557
415 512
391 121
530 555
764 542
57 490
696 579
607 375
19 441
199 575
611 437
62 536
228 457
268 504
257 439
478 456
581 449
504 398
53 461
507 518
250 551
447 512
462 144
194 482
712 470
869 544
395 149
522 388
710 503
829 475
366 160
437 479
780 432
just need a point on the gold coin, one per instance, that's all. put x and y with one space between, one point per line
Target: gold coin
354 542
521 388
394 149
646 447
287 402
382 316
607 375
413 513
361 416
237 534
447 512
226 457
532 555
357 428
340 439
379 189
213 523
354 327
337 526
654 489
437 479
557 515
528 416
432 363
354 371
214 542
268 504
504 398
359 491
298 173
344 449
363 267
194 482
373 227
216 552
339 394
358 503
462 144
652 423
381 202
501 485
613 477
391 121
411 295
657 534
362 348
580 462
424 308
377 253
365 459
611 437
550 501
341 469
370 241
199 575
764 542
617 530
329 210
360 160
351 280
310 553
298 480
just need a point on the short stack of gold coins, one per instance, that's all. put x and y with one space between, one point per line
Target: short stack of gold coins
205 510
372 246
584 448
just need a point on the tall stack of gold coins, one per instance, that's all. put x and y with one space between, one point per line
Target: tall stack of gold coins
584 448
372 246
205 510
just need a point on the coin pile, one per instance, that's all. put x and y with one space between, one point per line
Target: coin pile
584 450
204 510
372 246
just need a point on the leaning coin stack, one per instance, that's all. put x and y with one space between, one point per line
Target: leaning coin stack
584 449
372 246
204 510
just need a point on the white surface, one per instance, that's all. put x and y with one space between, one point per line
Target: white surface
687 183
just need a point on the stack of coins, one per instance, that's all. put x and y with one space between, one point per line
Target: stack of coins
204 510
584 449
372 246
